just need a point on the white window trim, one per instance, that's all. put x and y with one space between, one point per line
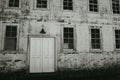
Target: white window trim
7 5
101 38
4 33
62 38
35 3
93 11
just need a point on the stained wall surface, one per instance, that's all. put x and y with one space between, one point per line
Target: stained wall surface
31 20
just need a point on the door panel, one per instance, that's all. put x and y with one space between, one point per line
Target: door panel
42 55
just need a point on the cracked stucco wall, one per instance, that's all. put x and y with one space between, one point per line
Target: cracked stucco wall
31 20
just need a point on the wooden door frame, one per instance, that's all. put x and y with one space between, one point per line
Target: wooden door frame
42 36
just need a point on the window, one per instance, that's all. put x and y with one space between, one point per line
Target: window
117 39
68 38
13 3
67 4
116 6
10 38
95 39
93 5
41 4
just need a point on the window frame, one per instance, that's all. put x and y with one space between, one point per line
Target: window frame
4 35
10 37
117 49
36 8
62 37
68 38
93 11
73 5
68 6
112 8
7 5
101 39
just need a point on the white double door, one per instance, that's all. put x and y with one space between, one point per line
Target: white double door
42 55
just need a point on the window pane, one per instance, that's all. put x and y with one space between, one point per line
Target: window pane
8 28
44 6
14 28
70 35
97 46
65 7
14 34
10 44
93 41
16 5
11 0
66 35
71 46
8 34
66 29
11 4
65 40
65 3
70 29
70 40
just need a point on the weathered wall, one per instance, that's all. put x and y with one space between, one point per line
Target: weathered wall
31 20
88 61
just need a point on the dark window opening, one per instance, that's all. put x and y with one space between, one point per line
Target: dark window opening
67 4
93 5
116 6
95 39
13 3
10 38
117 39
68 38
41 4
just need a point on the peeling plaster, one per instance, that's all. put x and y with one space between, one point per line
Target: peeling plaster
31 20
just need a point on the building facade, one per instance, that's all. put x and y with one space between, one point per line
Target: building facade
57 35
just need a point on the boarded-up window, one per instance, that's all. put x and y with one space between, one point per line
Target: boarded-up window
68 4
68 38
10 38
116 6
13 3
41 4
117 39
93 5
95 39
